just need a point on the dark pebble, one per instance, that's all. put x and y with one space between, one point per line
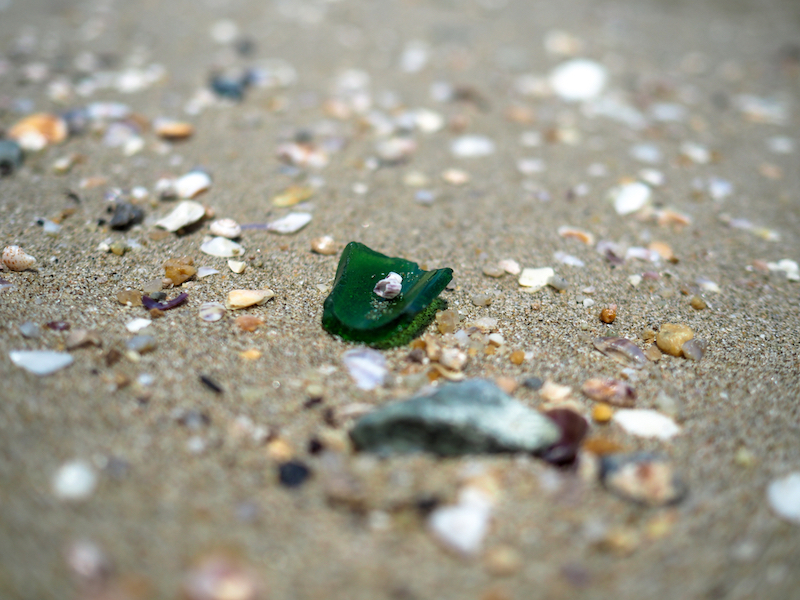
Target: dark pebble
211 384
533 383
58 325
293 473
125 215
10 157
158 296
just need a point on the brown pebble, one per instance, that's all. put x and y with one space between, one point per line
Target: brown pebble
697 303
648 335
517 357
602 413
508 384
249 322
324 245
609 314
156 313
129 297
180 269
601 446
502 561
158 234
652 353
671 337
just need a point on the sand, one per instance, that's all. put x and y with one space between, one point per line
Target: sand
159 505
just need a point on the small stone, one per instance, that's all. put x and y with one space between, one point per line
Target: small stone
138 324
642 478
74 481
293 474
227 228
172 130
493 270
40 362
646 423
455 176
536 279
573 428
485 324
610 391
783 496
554 393
609 314
221 575
237 266
578 80
222 247
508 384
179 270
367 367
533 383
447 321
745 458
15 259
461 527
125 215
183 215
192 184
630 197
141 344
248 322
324 245
502 561
119 247
11 157
697 302
652 353
694 349
472 146
453 359
473 416
30 330
243 298
481 299
671 338
37 131
621 350
662 249
510 266
129 297
291 223
517 357
82 337
602 413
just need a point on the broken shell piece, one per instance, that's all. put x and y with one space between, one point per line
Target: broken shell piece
227 228
292 195
15 259
35 132
222 247
243 298
453 358
186 213
646 423
192 184
237 266
576 234
510 266
212 311
536 279
172 130
610 391
621 350
630 197
82 337
324 245
290 223
390 287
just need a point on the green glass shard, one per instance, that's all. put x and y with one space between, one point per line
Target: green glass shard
354 312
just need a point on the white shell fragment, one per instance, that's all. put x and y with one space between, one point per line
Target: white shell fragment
137 324
192 184
784 497
186 213
788 267
290 223
227 228
15 259
237 266
536 279
463 526
222 247
75 480
211 311
578 80
646 423
206 272
630 197
243 298
390 287
40 362
472 146
367 367
510 266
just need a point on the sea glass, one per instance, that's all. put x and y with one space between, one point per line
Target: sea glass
355 313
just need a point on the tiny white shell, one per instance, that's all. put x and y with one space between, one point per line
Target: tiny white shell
222 247
16 259
192 184
390 287
186 213
227 228
290 223
211 311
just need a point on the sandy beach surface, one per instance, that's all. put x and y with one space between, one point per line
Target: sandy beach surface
124 475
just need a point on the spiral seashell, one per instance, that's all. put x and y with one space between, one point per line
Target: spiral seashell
15 259
227 228
390 287
212 311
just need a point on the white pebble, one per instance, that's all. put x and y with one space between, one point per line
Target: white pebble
389 287
74 480
630 197
15 259
186 213
40 362
137 324
646 423
227 228
787 266
510 266
536 279
697 153
290 223
578 80
462 527
568 259
471 146
222 247
784 497
647 153
367 367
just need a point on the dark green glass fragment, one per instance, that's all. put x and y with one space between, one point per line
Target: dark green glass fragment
354 312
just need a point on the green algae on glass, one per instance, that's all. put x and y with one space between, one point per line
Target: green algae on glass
354 312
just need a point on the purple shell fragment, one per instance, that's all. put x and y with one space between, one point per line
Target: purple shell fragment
621 350
150 304
573 429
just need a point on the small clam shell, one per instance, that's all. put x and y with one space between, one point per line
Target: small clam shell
610 391
15 259
192 184
227 228
243 298
212 311
621 350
